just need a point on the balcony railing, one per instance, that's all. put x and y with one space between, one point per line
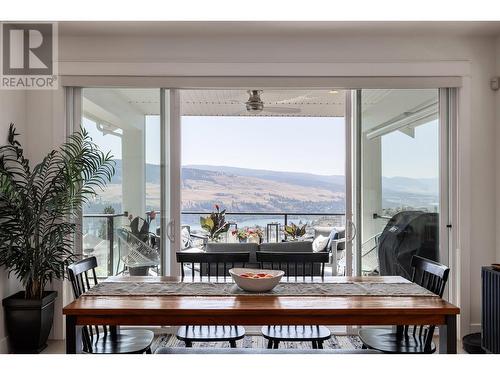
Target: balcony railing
99 230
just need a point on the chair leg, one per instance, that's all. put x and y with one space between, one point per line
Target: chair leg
189 344
320 344
314 345
232 343
276 344
270 344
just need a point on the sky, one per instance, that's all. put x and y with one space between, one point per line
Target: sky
412 157
294 144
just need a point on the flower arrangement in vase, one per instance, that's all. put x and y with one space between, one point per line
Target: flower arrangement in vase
215 224
256 234
241 234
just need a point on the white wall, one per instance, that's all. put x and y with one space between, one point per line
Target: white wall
12 109
85 54
38 117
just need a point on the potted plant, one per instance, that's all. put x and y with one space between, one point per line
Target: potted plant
215 224
255 235
37 208
241 234
295 231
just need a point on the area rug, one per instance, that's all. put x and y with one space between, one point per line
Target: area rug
258 342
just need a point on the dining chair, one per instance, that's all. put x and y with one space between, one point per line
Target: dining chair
297 267
410 339
105 339
215 266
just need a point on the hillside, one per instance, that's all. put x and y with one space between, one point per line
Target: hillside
240 189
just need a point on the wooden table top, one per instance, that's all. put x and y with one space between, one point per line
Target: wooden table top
242 308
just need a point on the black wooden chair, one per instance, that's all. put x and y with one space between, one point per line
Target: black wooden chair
297 267
410 339
215 266
105 339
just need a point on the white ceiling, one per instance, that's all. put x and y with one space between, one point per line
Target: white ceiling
312 103
288 28
126 107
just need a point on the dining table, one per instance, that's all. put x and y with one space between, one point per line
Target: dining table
132 301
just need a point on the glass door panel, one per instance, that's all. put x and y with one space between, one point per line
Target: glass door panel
398 187
121 226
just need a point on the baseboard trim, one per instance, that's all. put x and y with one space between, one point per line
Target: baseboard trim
4 345
474 327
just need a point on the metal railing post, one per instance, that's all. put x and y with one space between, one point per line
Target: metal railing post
111 237
286 223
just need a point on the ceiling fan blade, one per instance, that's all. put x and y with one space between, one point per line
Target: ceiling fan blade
239 113
296 99
281 109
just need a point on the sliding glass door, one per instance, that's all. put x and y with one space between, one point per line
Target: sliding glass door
400 179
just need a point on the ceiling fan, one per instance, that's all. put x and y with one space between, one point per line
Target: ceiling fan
255 105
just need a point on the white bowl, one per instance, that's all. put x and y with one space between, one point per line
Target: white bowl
256 285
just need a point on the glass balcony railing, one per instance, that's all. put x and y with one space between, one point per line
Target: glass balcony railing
101 239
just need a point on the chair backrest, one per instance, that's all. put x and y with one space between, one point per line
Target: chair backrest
295 264
429 274
210 264
78 273
81 281
432 276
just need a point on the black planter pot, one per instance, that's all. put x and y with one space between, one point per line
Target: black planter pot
29 321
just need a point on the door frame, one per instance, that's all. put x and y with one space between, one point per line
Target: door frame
170 180
400 75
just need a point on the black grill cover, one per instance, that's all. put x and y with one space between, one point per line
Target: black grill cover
406 234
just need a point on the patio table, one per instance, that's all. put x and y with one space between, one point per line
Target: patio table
141 309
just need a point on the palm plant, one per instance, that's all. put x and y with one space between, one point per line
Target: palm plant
38 206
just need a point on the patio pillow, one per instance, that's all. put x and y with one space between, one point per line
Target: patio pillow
337 233
185 239
320 243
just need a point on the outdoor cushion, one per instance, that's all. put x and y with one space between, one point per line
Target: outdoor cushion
287 247
185 239
337 233
319 243
216 247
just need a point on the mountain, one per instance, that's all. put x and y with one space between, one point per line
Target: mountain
426 186
255 190
332 182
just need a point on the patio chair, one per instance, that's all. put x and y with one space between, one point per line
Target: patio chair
298 266
105 339
139 256
416 339
190 334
